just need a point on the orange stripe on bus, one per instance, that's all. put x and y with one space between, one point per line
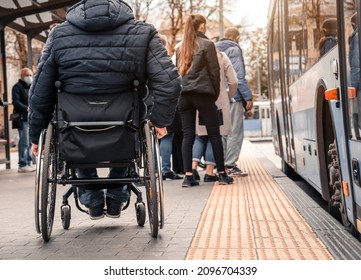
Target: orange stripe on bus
332 94
345 188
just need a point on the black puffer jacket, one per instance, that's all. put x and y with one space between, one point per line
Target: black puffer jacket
203 76
102 49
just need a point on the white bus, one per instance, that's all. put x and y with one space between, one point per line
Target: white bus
315 93
258 126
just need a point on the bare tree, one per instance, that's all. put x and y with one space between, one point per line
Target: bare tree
175 14
177 11
141 8
254 46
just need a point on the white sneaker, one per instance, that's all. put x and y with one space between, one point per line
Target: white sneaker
26 169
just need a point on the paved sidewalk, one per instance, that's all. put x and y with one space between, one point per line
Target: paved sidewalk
262 216
104 239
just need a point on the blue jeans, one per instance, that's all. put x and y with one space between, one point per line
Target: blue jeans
202 147
166 146
93 196
24 145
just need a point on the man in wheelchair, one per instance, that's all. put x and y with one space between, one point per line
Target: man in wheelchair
102 50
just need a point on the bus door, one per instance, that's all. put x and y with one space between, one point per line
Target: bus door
286 97
351 91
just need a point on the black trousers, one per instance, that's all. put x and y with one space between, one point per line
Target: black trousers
189 103
177 157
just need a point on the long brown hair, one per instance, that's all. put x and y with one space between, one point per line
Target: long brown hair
189 43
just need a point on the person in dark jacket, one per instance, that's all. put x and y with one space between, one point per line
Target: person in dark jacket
166 142
198 65
242 100
329 40
101 48
20 93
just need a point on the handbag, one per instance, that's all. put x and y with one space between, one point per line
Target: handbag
219 117
15 117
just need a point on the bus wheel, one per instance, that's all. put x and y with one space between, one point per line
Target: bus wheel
337 199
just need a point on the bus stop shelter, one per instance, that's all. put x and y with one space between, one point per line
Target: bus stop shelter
32 18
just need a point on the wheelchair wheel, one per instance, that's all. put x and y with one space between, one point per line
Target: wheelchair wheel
48 183
159 181
140 212
65 211
38 173
153 180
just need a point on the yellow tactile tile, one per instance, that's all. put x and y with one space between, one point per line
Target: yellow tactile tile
253 219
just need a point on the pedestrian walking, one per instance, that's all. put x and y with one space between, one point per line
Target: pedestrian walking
198 65
202 146
166 142
20 92
241 100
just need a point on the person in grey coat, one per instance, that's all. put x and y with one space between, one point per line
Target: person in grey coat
242 100
102 49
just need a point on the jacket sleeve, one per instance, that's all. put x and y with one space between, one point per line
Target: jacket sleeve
236 57
42 94
213 68
16 93
164 82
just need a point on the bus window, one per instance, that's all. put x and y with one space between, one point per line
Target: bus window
312 33
329 38
297 40
353 70
275 50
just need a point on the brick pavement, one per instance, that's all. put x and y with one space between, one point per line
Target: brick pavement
254 220
104 239
266 232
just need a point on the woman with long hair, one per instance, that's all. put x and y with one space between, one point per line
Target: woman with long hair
198 65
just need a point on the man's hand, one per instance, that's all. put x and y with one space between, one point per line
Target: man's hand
34 149
249 114
161 132
249 105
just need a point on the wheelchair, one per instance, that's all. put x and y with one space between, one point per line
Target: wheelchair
98 131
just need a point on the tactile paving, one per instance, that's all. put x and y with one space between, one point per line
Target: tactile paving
252 219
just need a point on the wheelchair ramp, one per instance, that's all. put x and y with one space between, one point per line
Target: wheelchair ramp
253 219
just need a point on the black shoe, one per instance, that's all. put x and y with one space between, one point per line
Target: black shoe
96 212
189 182
113 208
171 175
224 179
210 178
196 175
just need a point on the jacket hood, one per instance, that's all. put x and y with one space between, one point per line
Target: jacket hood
99 15
225 44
